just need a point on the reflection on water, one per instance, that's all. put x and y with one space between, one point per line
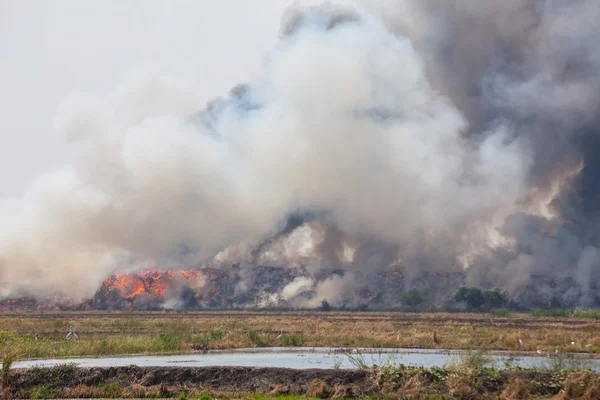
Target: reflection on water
300 358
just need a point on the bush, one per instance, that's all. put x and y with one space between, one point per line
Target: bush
475 298
495 298
472 296
412 299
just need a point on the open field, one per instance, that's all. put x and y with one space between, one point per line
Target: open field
42 335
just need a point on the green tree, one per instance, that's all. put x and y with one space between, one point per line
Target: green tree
495 298
472 296
412 298
461 294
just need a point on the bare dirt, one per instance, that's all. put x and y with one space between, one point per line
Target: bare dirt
180 379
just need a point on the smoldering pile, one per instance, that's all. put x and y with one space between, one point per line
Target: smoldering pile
237 287
452 137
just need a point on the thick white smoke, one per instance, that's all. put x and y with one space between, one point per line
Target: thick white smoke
354 116
345 120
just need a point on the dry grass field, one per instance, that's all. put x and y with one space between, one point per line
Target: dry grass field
42 335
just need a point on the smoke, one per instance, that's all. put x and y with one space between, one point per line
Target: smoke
431 136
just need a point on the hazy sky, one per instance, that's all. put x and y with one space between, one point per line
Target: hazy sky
51 49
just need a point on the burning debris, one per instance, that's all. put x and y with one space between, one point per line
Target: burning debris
438 137
207 288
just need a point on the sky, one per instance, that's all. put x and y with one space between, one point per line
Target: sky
52 50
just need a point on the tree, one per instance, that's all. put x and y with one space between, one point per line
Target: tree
325 306
495 298
461 294
412 298
472 296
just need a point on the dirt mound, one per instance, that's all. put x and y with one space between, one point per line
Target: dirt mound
68 381
227 379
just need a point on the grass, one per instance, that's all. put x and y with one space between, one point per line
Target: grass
8 359
499 312
278 397
564 362
33 336
567 313
470 377
256 338
293 340
471 361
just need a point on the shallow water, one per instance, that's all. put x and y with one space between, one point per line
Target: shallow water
300 358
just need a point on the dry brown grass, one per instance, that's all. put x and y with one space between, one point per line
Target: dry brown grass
137 391
318 388
581 385
113 333
459 385
279 390
414 386
517 389
84 392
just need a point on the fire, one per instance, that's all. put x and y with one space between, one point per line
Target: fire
153 283
194 288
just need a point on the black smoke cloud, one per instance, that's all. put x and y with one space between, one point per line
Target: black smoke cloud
429 136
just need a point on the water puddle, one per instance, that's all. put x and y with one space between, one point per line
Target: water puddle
314 357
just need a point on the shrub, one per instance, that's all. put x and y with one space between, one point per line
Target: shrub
472 296
495 298
412 298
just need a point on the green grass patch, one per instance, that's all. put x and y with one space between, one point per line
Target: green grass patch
256 338
499 312
585 313
293 340
567 313
112 390
6 337
8 359
42 392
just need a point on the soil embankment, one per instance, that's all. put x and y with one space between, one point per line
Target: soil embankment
137 382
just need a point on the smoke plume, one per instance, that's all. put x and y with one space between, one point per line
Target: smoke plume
431 136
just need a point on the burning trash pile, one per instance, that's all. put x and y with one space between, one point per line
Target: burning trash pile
235 287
